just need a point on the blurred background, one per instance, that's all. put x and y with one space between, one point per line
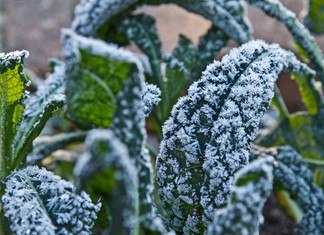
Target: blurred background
35 25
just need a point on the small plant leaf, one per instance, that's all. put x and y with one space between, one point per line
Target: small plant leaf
294 175
36 201
107 169
207 138
315 17
251 188
98 71
274 8
13 83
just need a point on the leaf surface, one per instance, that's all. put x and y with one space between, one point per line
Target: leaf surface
97 71
207 138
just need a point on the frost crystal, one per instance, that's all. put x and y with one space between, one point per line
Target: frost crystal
151 97
38 202
207 138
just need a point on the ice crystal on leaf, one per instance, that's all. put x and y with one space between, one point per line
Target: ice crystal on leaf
208 136
38 202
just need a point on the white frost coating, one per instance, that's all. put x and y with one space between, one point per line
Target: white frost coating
38 202
12 58
151 97
73 43
91 14
209 132
244 210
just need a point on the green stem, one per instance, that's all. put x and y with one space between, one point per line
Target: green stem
280 104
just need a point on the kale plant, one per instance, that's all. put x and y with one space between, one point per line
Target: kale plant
214 169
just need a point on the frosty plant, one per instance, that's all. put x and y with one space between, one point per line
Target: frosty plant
212 177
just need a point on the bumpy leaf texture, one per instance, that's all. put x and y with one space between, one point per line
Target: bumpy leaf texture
12 95
38 202
294 175
106 167
207 138
227 15
251 188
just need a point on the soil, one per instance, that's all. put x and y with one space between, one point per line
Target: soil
276 222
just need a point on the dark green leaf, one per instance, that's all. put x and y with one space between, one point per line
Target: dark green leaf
208 136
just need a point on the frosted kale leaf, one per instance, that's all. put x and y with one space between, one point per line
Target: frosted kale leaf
294 175
151 97
207 138
251 188
97 70
37 201
106 168
274 8
13 83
